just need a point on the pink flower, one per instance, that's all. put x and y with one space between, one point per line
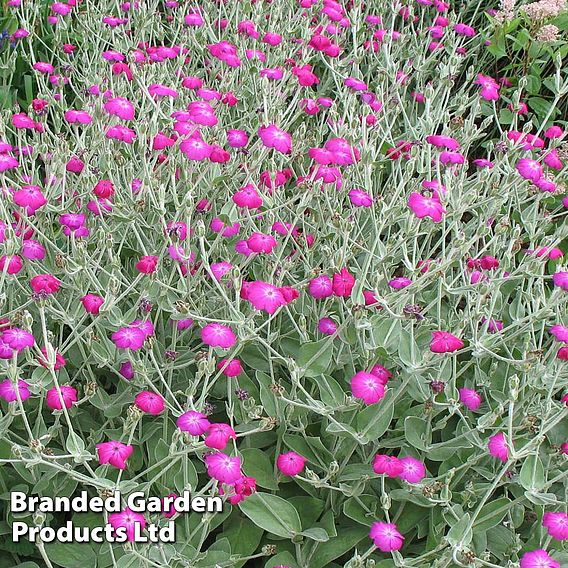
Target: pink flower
9 392
529 169
444 342
470 399
120 107
29 197
92 303
193 422
45 284
538 559
360 198
147 264
343 283
424 206
556 524
261 243
290 463
497 446
387 465
56 402
386 536
129 338
230 367
248 197
320 287
114 453
443 142
560 332
265 296
382 373
560 279
489 87
218 436
17 339
273 137
150 402
368 387
242 488
218 335
413 470
223 468
327 326
400 283
128 520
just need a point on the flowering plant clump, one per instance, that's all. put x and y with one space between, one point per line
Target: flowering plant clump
303 256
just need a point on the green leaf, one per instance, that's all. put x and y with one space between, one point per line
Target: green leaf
316 533
532 476
373 421
385 333
460 532
315 357
72 555
257 464
281 559
272 513
415 430
243 535
346 539
492 514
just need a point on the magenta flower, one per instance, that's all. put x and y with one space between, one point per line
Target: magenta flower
230 367
560 279
387 465
30 197
218 335
120 107
560 332
538 559
248 197
264 296
195 148
261 243
368 387
273 137
45 284
320 287
218 436
529 169
9 391
150 402
444 342
400 282
360 198
129 338
343 283
92 303
55 401
128 520
18 339
386 536
497 446
489 87
114 453
327 326
556 524
193 422
471 399
223 468
290 463
423 206
413 470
